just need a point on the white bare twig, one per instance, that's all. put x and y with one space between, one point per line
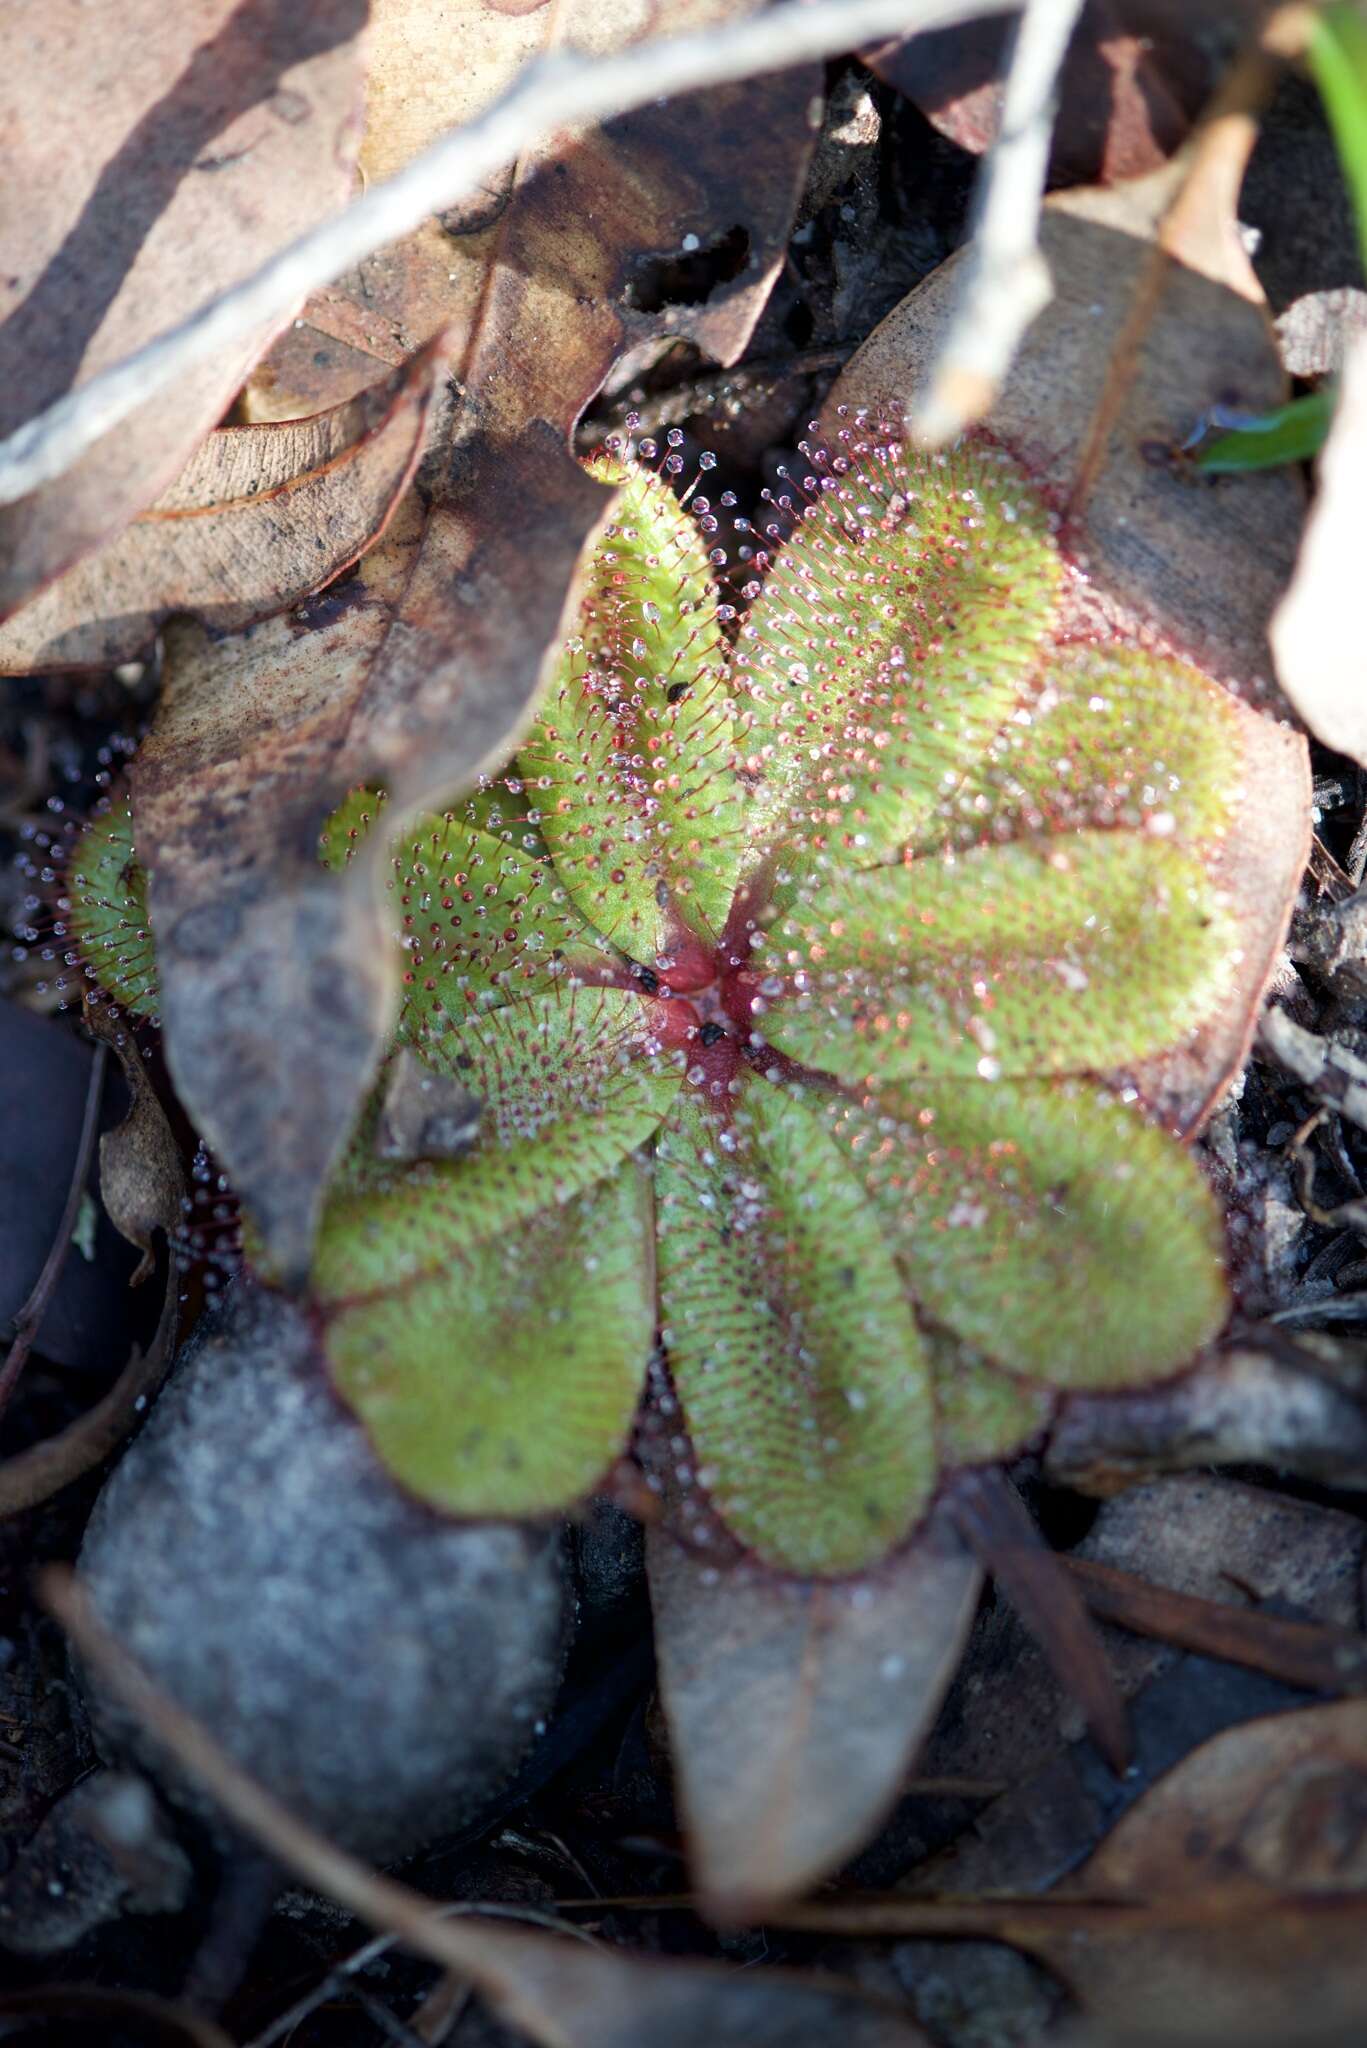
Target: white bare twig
563 89
1006 279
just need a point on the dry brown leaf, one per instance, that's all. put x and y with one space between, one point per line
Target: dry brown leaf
794 1709
434 64
1268 1814
1137 345
430 68
273 995
1137 74
1258 1808
259 518
142 1180
1304 1412
274 988
192 141
1156 317
1226 1905
1317 633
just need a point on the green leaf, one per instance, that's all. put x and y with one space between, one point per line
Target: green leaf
1049 1226
505 1382
482 920
629 762
982 1415
1293 432
106 889
1051 955
570 1083
349 826
891 637
1118 739
1337 51
804 1385
483 915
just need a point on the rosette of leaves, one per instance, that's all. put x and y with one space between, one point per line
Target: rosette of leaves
774 1015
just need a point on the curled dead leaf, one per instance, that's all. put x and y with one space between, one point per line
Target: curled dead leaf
259 519
1258 1826
433 65
142 1180
1137 74
257 946
192 143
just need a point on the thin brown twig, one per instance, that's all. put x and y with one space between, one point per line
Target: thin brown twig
991 1517
1301 1653
169 2023
45 1468
29 1320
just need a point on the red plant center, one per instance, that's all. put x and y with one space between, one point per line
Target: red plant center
709 1001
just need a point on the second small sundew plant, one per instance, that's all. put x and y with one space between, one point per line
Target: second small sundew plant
796 981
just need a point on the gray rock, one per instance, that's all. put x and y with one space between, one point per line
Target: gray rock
381 1669
100 1852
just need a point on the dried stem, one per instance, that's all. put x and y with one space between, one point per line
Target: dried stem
1006 279
562 89
45 1468
164 2023
1335 1074
991 1518
1301 1653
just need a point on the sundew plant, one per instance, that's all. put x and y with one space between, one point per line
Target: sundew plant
789 984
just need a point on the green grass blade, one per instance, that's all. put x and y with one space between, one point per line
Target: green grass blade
1337 53
1294 432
